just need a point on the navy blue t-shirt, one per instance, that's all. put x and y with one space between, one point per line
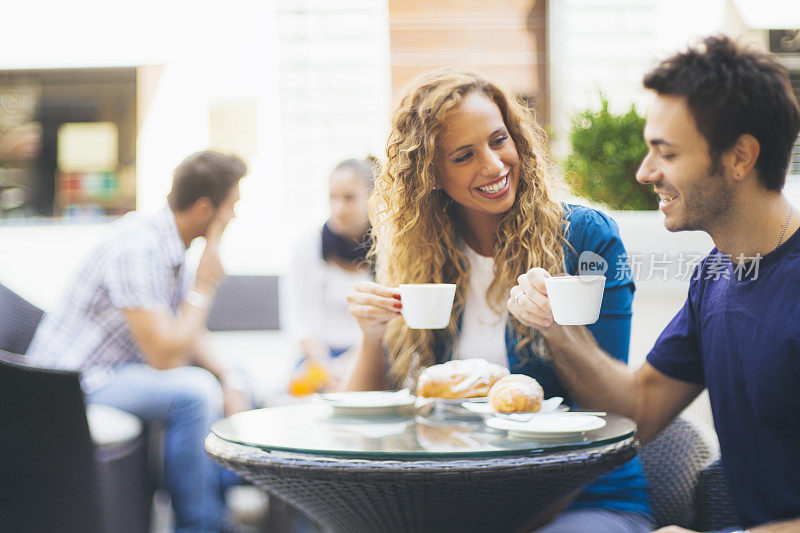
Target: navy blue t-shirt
738 334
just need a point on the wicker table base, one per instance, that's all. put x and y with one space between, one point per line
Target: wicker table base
481 494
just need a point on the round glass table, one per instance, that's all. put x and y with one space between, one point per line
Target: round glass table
446 471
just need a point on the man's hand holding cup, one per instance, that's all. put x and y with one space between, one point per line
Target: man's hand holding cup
540 300
528 301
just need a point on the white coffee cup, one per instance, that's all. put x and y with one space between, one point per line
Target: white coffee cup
575 299
427 305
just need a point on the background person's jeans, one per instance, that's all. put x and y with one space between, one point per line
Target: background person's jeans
186 400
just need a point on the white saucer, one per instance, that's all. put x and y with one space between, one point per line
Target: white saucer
548 426
367 402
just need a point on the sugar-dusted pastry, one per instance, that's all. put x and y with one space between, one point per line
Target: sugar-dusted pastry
516 393
462 378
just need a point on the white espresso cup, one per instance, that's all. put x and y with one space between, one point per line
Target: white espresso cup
427 305
575 299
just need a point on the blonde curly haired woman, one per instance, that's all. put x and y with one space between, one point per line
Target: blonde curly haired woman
467 197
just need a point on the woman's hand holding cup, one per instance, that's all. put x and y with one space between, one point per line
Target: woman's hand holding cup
373 306
528 301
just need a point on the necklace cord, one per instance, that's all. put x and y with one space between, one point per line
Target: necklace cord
786 225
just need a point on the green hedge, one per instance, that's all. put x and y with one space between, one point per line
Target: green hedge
606 150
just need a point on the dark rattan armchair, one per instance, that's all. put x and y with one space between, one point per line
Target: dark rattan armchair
18 321
55 475
687 487
55 478
712 502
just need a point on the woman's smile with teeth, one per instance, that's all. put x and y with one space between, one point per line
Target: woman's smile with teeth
497 186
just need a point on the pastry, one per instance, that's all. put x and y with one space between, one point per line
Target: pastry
462 378
516 393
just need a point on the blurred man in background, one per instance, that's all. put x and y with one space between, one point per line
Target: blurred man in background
133 322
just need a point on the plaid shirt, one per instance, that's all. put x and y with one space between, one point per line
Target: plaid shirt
138 265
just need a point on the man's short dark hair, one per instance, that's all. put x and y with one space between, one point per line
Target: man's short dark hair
204 174
732 91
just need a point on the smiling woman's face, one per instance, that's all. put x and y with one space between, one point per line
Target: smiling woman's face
478 162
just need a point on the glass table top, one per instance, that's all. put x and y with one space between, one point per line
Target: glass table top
317 429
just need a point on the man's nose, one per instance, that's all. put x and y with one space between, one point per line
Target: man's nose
647 172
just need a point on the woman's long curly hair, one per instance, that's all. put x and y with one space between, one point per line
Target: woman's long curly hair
417 227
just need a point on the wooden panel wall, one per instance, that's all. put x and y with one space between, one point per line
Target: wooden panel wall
506 40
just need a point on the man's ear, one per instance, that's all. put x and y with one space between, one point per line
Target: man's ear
743 156
202 207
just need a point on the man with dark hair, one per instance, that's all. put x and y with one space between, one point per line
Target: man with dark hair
204 174
133 322
731 92
720 133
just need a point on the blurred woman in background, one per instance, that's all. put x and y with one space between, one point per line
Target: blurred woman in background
325 264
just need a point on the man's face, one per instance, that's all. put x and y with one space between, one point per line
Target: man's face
694 191
226 210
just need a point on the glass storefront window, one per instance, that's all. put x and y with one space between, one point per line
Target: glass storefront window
67 143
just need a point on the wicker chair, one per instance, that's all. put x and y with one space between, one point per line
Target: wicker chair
64 469
18 321
682 485
245 303
713 506
56 478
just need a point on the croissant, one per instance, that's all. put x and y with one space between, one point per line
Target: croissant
463 378
516 393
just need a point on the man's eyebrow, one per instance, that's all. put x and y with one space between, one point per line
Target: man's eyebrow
658 142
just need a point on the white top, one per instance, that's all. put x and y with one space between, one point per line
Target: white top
482 329
313 296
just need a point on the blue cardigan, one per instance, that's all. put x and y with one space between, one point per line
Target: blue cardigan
624 489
